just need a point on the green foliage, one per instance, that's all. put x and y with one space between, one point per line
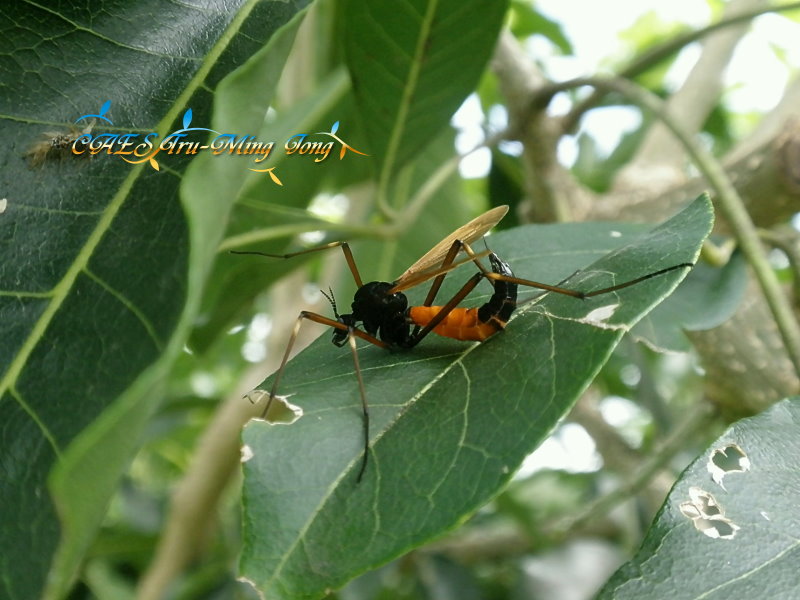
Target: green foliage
755 507
398 56
118 295
648 31
527 21
450 422
91 342
708 299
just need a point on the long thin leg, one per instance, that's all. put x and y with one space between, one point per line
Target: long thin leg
446 266
419 335
619 286
577 293
536 284
352 334
364 406
279 373
317 318
448 261
348 256
437 282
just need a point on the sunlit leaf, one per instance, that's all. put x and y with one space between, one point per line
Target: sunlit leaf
450 422
736 541
400 53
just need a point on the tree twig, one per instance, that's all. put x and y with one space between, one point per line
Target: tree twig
655 55
727 201
689 105
696 420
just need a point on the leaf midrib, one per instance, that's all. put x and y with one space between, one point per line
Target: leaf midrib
60 293
62 288
457 361
408 92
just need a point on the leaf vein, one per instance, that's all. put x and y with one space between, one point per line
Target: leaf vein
130 306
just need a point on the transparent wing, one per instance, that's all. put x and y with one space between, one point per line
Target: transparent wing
468 233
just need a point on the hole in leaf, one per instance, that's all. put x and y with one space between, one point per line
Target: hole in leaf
281 411
707 516
701 504
247 453
730 459
601 314
705 502
720 528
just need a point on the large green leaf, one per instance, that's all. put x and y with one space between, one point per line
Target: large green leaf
450 422
101 270
412 64
744 547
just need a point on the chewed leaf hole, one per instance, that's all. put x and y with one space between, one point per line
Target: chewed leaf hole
729 459
707 516
246 453
601 314
281 411
701 504
722 528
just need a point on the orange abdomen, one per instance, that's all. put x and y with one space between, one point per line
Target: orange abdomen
461 324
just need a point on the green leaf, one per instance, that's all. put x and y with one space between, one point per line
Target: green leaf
450 422
100 271
597 170
400 53
677 560
645 33
527 21
267 226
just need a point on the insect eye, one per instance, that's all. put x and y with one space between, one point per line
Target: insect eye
339 337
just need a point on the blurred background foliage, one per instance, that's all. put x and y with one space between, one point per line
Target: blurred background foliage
562 527
511 548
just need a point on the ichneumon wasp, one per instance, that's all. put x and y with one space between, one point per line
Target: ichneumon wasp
381 314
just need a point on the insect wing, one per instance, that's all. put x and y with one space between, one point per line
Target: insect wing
468 233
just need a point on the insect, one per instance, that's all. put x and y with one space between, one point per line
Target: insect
381 314
56 144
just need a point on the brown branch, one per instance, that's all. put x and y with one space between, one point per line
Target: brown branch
653 56
648 475
767 180
551 191
194 500
618 456
746 365
690 106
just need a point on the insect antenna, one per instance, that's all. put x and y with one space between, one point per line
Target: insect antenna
332 301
